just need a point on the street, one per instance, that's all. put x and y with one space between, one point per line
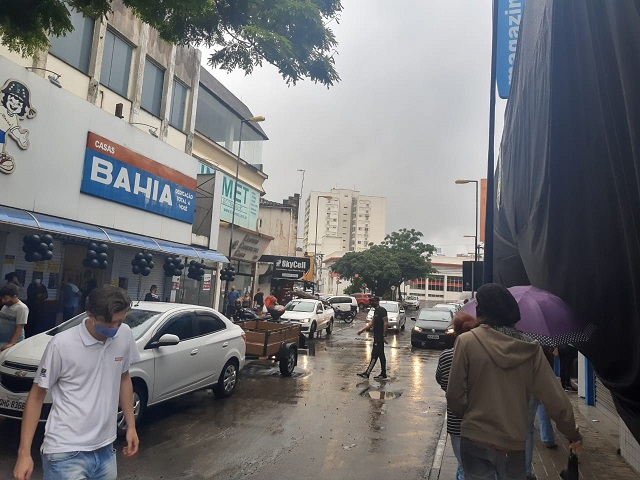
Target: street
324 422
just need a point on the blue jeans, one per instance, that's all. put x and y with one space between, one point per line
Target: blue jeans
544 424
96 465
482 462
546 431
455 445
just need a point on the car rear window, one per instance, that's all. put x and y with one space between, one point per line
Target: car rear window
340 300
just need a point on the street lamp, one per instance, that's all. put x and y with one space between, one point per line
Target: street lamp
300 205
259 118
315 242
475 250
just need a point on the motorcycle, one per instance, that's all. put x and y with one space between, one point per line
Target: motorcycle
346 316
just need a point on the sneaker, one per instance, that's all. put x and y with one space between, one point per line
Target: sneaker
551 445
363 374
382 376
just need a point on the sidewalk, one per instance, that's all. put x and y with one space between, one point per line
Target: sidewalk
598 459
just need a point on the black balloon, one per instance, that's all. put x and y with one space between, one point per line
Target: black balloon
148 257
46 238
43 247
142 263
29 257
94 263
35 240
27 248
37 256
103 248
48 255
150 264
92 246
146 271
168 260
177 272
136 270
139 256
103 265
91 254
103 256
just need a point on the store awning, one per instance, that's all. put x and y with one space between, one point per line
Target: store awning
39 221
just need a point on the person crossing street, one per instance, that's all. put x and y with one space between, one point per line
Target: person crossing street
379 325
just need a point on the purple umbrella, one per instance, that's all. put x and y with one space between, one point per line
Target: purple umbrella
545 317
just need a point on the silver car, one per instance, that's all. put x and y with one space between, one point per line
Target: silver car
395 315
182 348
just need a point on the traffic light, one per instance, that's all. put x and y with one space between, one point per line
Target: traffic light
231 273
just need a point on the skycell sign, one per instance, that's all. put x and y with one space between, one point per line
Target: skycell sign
291 268
120 175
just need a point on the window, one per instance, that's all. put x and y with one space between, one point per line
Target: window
182 326
178 104
116 63
75 47
454 284
436 283
152 88
206 323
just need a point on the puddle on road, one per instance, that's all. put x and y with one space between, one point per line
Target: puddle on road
380 393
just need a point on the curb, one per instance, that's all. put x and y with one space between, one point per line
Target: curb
434 472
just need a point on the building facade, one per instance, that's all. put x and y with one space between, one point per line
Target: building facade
444 286
106 137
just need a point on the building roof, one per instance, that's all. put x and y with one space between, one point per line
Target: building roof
223 94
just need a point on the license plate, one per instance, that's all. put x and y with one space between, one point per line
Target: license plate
434 337
13 403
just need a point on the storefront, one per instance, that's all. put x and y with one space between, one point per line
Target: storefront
102 189
283 275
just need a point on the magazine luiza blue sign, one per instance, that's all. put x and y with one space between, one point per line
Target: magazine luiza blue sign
120 175
508 25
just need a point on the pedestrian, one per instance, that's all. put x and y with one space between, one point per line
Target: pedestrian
462 322
86 370
37 293
152 294
246 300
258 301
271 302
231 301
89 286
567 355
70 298
13 317
12 277
378 323
493 376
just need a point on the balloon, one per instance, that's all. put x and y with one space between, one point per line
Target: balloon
136 270
168 260
102 256
139 256
37 256
35 240
26 239
177 272
26 248
181 265
94 263
29 257
43 247
148 257
104 265
146 271
48 255
103 248
150 264
92 246
201 271
142 262
91 254
46 238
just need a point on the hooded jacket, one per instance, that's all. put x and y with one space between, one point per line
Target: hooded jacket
491 380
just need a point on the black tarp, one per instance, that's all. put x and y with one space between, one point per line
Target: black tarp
567 215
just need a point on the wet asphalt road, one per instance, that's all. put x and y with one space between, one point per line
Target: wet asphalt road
322 423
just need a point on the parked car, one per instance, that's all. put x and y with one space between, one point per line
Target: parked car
312 315
182 348
362 299
344 305
395 315
412 301
433 328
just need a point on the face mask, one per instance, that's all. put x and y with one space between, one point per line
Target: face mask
108 332
38 281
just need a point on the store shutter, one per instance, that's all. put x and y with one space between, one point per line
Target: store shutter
122 268
604 401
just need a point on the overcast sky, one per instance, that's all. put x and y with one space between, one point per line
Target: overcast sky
409 116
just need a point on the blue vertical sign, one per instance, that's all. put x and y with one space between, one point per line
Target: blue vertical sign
508 26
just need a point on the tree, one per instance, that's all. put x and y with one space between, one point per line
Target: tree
290 34
402 256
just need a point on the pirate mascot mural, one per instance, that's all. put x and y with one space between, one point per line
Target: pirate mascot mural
15 105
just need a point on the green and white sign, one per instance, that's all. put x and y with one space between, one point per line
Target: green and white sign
247 204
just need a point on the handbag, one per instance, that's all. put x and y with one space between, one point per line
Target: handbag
571 472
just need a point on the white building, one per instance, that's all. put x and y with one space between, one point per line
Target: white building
343 220
443 286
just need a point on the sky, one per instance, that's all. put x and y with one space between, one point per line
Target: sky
409 116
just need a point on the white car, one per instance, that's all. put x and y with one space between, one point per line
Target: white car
182 348
412 301
312 315
395 315
452 307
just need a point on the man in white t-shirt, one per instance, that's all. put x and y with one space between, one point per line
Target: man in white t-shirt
13 317
86 370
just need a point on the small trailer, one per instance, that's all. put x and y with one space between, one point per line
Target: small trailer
266 339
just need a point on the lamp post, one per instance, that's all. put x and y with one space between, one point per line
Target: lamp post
259 118
475 250
300 205
315 242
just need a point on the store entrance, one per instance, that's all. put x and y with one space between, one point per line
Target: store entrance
86 279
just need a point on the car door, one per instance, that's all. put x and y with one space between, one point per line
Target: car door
177 367
216 341
320 316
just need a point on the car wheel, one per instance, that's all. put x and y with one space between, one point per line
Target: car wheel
139 406
415 344
312 330
227 381
330 327
288 363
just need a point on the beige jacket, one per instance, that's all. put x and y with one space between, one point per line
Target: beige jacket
492 378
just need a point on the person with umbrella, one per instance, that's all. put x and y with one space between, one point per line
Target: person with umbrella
494 373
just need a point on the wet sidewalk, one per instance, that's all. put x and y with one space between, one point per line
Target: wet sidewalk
599 459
